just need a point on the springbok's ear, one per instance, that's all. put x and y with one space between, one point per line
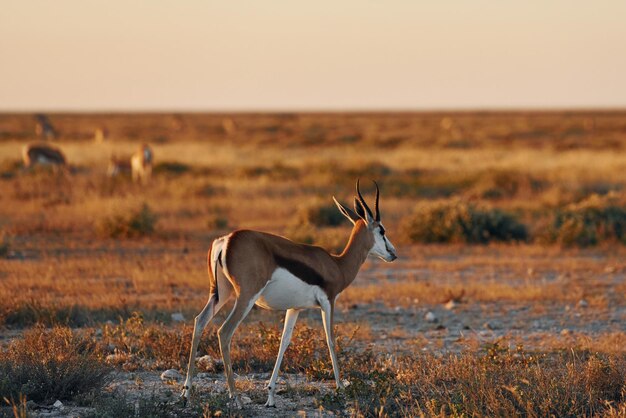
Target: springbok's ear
352 217
358 208
363 212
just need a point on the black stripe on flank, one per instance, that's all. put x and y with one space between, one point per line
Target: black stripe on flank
300 270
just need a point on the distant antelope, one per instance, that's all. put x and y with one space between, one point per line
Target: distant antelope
178 123
101 134
42 154
118 166
141 164
276 273
44 128
229 126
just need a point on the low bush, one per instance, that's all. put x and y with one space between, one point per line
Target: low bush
171 168
50 364
455 221
595 219
319 215
503 184
134 224
5 244
10 168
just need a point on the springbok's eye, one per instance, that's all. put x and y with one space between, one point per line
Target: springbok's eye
382 230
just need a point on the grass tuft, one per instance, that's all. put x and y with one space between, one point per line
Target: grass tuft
593 220
455 221
132 225
172 168
5 243
319 215
50 364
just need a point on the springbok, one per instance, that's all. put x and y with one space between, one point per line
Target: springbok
42 154
276 273
141 164
44 128
118 166
101 134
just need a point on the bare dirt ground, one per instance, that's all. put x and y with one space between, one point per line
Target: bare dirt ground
463 300
557 287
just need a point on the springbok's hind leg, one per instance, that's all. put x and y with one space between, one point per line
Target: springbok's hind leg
242 307
200 323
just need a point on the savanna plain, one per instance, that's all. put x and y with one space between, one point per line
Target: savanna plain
508 297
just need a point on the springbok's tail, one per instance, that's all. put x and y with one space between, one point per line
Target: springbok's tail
214 261
25 156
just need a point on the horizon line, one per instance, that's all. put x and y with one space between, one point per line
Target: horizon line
314 110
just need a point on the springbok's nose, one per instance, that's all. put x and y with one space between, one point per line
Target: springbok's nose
393 257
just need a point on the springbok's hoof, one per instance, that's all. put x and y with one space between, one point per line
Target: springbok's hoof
236 402
184 396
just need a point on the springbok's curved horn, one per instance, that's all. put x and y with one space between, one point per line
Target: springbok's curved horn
376 205
358 192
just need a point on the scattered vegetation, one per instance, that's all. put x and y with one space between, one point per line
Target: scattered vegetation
172 168
595 219
50 364
499 382
148 345
319 215
505 184
455 221
10 168
478 178
135 224
5 243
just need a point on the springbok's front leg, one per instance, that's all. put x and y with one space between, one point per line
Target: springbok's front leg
290 321
327 319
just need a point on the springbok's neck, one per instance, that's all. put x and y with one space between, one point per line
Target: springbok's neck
355 253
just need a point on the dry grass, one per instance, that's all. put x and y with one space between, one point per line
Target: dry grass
73 250
50 365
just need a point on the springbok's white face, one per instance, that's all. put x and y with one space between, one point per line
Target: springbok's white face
383 248
147 153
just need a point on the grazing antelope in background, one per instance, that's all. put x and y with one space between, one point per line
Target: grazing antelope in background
276 273
229 126
42 154
101 134
118 166
44 128
141 164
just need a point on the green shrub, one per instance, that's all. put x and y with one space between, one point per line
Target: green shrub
135 224
455 221
50 364
595 219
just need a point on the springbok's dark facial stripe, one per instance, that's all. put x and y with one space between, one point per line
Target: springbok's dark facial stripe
300 270
382 230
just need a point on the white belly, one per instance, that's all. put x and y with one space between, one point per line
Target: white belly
286 291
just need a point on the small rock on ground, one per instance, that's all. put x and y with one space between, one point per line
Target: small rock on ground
178 317
171 374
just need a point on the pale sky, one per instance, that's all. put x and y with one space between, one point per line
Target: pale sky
91 55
